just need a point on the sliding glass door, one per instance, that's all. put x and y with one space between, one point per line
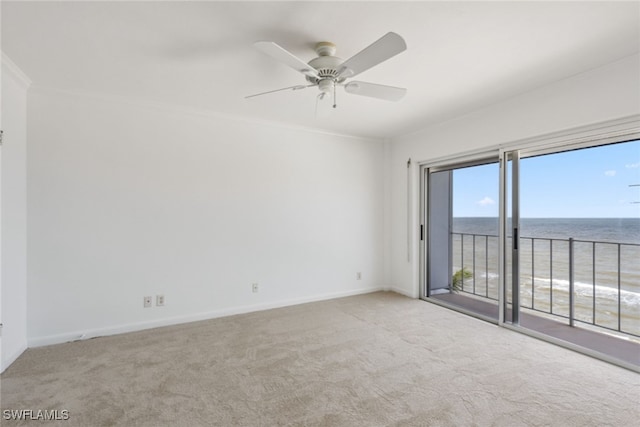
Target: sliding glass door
462 263
544 241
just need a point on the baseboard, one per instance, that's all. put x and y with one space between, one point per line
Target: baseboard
402 292
139 326
5 363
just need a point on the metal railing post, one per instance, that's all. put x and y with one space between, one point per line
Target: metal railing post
486 266
462 262
533 274
571 284
593 295
474 264
619 291
551 276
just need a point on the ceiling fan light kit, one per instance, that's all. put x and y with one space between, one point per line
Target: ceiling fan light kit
328 71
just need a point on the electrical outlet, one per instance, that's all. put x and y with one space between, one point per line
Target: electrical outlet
358 276
254 288
159 300
147 302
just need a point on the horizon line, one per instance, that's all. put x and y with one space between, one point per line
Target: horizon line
555 217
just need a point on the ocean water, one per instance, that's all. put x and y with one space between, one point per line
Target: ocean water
606 266
624 230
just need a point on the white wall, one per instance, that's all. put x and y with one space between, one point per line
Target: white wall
129 200
606 93
13 289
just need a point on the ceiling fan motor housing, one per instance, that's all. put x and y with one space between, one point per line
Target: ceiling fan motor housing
326 64
325 85
325 49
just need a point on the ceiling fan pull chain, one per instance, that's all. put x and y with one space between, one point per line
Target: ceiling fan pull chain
334 94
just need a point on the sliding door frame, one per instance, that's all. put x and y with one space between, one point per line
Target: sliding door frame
614 131
423 249
509 181
426 168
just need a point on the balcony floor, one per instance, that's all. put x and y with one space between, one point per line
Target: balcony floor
617 348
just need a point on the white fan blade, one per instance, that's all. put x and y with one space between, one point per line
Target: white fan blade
379 51
388 93
277 52
298 87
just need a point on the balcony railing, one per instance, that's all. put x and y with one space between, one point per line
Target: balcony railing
591 282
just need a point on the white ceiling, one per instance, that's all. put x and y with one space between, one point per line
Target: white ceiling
460 55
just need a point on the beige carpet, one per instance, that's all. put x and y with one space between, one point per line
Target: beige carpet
372 360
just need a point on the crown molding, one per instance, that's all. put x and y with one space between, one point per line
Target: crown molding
13 70
154 105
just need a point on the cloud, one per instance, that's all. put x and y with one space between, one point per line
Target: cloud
632 165
486 201
610 173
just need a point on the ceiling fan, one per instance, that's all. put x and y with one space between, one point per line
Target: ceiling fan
327 71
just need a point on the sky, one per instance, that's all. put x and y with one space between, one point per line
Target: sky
587 183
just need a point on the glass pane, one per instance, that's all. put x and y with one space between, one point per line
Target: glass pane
580 211
463 227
